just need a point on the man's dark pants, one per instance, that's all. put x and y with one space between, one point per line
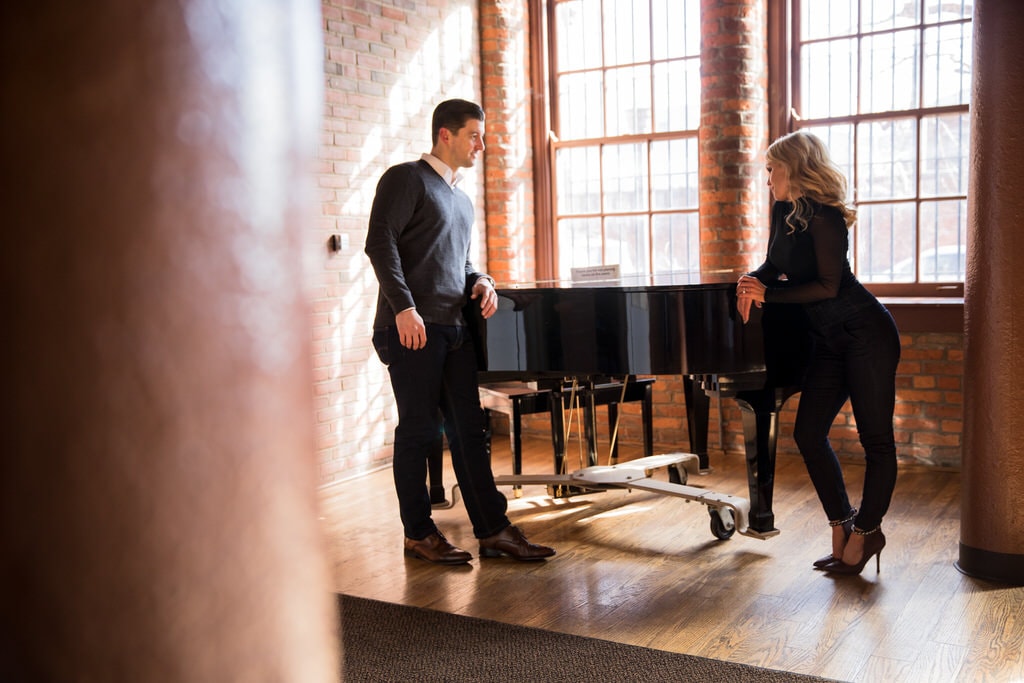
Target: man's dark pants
441 374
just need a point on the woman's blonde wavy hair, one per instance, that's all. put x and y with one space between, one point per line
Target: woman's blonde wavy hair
812 176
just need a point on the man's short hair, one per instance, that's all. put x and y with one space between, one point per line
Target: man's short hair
453 114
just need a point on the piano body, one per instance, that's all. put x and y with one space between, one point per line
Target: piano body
668 325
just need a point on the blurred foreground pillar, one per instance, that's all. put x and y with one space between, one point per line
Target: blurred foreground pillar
158 514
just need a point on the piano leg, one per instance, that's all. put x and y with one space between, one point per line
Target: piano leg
516 434
557 431
558 440
647 415
759 409
590 424
562 400
760 412
760 434
698 410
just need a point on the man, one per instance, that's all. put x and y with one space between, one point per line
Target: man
418 242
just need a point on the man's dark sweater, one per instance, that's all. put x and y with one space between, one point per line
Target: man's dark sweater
418 243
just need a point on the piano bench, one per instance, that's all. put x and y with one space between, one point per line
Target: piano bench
516 399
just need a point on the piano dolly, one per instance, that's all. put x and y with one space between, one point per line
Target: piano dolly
729 514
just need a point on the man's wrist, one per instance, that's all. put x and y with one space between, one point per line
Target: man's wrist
486 278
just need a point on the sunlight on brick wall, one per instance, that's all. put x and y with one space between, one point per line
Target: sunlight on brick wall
387 65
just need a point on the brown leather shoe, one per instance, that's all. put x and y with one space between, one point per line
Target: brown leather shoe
511 542
436 548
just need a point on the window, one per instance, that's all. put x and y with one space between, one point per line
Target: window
625 85
886 84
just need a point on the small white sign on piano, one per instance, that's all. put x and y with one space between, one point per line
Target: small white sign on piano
595 275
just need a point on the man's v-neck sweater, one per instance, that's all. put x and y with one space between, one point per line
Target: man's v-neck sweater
418 243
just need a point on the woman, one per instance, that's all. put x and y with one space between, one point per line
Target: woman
856 344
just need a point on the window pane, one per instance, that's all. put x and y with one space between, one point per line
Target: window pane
947 65
887 163
948 10
881 15
885 242
676 29
578 40
890 72
677 95
839 140
944 150
827 19
828 79
943 241
579 243
627 32
674 177
675 241
625 178
629 101
580 106
579 180
625 243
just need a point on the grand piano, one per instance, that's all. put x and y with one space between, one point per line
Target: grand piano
678 324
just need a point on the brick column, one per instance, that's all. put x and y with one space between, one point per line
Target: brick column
733 134
508 160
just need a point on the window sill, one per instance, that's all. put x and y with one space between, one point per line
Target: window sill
926 314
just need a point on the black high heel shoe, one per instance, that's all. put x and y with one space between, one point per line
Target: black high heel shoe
847 524
874 541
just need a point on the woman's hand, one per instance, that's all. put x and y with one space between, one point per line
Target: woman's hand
749 290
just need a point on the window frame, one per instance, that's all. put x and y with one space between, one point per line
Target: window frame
784 66
546 112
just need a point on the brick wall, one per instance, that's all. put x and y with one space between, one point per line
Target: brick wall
388 63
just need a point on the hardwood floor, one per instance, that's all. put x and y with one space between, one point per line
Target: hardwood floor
644 569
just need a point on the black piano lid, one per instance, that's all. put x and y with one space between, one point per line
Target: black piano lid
671 324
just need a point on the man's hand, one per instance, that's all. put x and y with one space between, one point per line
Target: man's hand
484 291
411 330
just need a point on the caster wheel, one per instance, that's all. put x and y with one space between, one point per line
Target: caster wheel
722 524
677 474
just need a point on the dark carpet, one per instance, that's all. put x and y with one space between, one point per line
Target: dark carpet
388 642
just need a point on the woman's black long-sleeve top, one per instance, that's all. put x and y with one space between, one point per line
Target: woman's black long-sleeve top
811 267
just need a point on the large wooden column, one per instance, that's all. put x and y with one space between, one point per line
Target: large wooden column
992 508
158 510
